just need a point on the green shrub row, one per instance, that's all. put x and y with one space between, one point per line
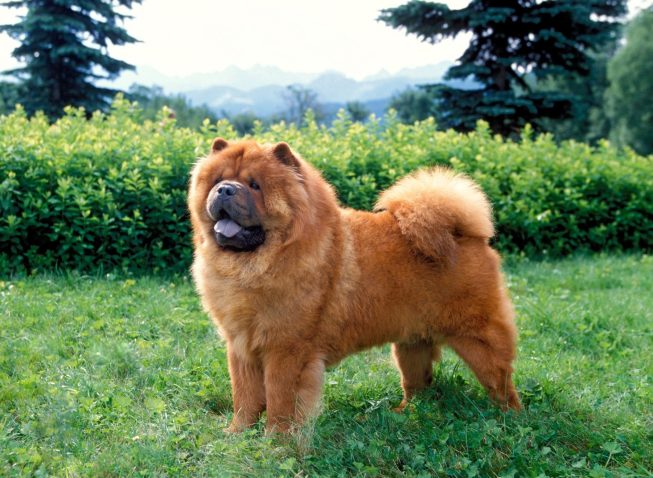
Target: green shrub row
110 191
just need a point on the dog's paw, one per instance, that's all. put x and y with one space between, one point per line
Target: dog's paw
401 407
234 428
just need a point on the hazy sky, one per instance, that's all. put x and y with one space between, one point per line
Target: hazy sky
192 36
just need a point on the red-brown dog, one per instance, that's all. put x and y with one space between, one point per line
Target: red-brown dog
295 283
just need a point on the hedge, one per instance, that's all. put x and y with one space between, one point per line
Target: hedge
109 192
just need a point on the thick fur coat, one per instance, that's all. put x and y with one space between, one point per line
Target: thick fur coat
303 282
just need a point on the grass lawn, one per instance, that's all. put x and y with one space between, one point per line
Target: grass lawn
114 376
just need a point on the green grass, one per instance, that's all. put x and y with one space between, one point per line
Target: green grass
113 376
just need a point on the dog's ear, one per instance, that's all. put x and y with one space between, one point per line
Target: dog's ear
285 155
218 145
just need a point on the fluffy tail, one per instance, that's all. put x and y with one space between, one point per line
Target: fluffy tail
433 207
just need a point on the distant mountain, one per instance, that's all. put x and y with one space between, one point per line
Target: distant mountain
419 73
335 87
264 101
234 76
331 88
260 89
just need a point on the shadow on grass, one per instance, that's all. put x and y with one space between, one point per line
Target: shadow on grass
218 404
453 429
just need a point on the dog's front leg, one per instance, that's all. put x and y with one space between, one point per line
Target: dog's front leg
293 387
247 389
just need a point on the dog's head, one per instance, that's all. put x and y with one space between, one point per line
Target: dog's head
245 196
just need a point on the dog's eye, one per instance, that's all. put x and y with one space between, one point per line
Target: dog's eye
254 185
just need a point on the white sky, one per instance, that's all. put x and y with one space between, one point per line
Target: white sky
195 36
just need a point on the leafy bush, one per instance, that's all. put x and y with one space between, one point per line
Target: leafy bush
111 191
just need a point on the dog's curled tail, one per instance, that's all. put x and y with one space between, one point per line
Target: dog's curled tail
434 207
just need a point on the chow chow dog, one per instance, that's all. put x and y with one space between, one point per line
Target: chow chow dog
295 283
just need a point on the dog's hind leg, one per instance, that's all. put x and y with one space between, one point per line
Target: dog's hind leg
414 361
490 353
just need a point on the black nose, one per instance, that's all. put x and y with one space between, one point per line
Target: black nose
225 190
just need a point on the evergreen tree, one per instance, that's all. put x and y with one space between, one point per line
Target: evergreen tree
64 47
630 95
510 39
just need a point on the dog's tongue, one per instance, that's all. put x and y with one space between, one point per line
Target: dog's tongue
227 227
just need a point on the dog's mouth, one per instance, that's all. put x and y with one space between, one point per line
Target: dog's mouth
231 235
226 226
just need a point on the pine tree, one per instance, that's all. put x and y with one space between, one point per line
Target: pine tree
64 47
511 41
